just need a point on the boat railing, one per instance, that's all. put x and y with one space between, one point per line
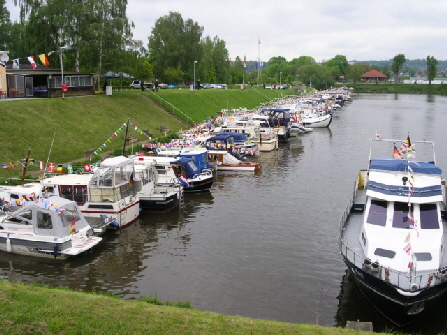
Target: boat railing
405 281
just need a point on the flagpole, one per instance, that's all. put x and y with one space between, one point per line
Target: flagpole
25 167
259 59
125 138
49 153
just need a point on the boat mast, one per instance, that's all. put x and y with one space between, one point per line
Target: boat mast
125 138
25 167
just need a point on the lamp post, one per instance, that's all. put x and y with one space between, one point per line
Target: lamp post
280 80
194 83
310 85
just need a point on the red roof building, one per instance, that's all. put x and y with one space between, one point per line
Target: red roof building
374 75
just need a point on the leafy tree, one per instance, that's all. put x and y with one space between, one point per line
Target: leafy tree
174 75
356 71
237 71
432 64
276 65
174 42
338 66
316 76
206 66
221 60
5 23
398 62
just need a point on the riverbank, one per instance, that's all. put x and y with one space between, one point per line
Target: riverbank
77 125
36 309
440 89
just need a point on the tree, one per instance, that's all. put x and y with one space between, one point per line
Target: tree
356 71
316 76
398 62
338 66
174 42
5 23
432 64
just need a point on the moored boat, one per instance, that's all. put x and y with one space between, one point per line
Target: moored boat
108 191
392 233
48 226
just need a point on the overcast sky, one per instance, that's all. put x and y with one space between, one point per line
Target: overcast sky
358 29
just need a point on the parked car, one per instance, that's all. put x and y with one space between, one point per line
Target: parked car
162 85
135 84
207 86
221 85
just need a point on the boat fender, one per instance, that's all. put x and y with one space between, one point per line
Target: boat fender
387 275
55 250
361 185
8 243
114 224
430 278
414 287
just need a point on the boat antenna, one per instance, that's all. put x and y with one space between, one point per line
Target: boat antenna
49 153
125 137
25 166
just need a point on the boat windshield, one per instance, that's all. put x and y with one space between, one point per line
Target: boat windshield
377 212
68 215
402 215
429 216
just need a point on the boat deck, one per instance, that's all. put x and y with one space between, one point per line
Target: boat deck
352 249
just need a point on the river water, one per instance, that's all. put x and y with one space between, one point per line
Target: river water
263 246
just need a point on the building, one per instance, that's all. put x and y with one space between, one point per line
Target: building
26 81
374 75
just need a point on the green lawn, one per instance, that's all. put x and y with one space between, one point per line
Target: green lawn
79 124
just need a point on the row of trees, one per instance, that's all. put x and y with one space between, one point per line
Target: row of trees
97 37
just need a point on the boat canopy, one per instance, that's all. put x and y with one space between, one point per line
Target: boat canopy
189 167
238 137
401 165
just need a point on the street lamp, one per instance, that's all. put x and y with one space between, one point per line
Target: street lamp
310 85
194 83
280 80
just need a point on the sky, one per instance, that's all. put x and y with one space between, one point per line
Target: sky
361 30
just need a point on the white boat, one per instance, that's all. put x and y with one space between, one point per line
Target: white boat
108 191
316 120
393 233
155 195
51 226
298 128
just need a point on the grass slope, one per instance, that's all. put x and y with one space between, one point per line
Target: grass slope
85 123
31 309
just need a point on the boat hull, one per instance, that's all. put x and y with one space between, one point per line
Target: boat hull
318 122
199 185
399 309
159 205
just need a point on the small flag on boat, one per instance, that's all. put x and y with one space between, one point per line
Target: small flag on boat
377 134
42 165
396 153
70 169
73 227
5 166
87 168
407 239
51 167
60 169
183 181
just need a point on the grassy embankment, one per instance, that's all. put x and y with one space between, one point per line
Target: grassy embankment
398 88
42 310
84 123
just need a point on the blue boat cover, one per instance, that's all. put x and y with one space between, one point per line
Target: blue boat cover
401 165
240 137
221 137
188 164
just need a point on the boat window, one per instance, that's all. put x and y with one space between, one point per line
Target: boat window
27 215
377 213
384 253
423 256
401 218
44 220
429 216
68 215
